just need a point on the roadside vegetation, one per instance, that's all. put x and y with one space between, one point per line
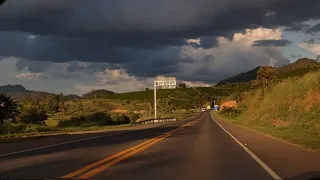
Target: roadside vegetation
96 110
288 108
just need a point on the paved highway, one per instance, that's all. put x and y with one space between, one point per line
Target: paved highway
193 149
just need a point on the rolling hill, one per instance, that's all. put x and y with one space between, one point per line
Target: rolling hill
181 97
297 68
12 88
243 77
100 93
18 92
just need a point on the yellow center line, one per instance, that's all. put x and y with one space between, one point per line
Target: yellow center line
98 163
113 159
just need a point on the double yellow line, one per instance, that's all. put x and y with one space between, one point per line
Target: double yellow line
97 167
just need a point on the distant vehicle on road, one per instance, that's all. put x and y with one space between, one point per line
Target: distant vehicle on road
208 108
203 109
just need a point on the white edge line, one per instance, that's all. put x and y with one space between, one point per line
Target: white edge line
59 144
258 160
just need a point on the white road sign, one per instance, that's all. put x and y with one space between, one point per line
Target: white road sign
166 83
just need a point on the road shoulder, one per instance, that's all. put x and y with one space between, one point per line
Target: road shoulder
288 160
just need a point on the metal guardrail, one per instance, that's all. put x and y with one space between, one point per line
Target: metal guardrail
160 120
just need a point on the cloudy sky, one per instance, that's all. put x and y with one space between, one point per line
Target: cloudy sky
72 46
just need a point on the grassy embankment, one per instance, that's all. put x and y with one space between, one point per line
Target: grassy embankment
289 110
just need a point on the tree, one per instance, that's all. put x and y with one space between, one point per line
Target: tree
79 106
182 85
147 89
8 108
201 99
55 103
32 114
65 108
165 107
265 75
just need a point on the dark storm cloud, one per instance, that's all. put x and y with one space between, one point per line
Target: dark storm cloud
297 26
167 18
136 33
314 29
276 43
208 42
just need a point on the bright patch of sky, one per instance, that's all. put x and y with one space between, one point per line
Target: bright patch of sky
298 48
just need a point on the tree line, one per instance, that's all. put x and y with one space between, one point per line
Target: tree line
31 110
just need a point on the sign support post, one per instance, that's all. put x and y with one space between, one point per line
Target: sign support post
155 99
164 83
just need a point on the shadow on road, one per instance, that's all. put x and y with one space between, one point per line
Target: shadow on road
126 137
314 175
53 162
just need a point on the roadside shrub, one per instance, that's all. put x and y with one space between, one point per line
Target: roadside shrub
231 111
33 128
11 128
95 119
120 119
32 115
133 118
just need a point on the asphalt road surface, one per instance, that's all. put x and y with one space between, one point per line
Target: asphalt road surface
193 149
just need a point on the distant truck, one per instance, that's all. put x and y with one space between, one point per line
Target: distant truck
203 109
208 108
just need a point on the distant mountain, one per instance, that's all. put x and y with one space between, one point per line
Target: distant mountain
299 64
18 92
297 68
243 77
12 88
100 93
71 97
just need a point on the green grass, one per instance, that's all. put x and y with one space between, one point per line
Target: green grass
289 110
9 129
38 130
89 121
298 72
179 93
180 97
215 91
140 95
